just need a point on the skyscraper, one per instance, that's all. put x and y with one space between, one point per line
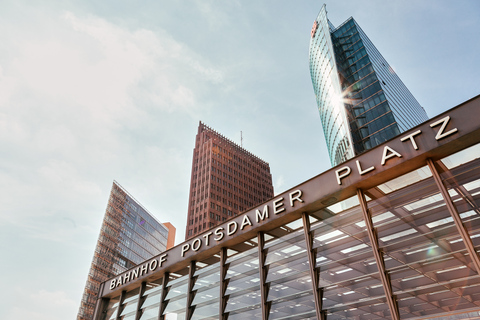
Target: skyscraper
226 180
399 243
129 235
361 100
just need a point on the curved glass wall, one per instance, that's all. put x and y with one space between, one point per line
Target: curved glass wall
326 84
361 100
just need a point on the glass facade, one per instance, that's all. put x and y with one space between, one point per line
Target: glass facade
403 243
361 100
129 235
328 91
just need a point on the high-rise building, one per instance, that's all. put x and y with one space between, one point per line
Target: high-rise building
401 242
361 100
129 235
226 180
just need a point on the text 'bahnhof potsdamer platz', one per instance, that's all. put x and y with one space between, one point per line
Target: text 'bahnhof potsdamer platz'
393 233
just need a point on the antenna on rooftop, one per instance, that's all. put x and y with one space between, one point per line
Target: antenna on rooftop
241 139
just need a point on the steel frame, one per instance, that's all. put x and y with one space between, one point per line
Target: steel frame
263 270
314 272
384 277
455 216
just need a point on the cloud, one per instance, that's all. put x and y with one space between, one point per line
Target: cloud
279 184
97 67
41 305
83 102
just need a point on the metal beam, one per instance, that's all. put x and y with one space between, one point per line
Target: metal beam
372 234
100 308
141 300
190 293
120 304
456 216
321 190
263 270
223 284
163 296
314 272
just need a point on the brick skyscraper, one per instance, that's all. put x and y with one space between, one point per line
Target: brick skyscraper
226 180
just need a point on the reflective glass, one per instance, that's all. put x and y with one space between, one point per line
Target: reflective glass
151 303
129 306
176 298
348 271
207 289
460 173
243 289
426 263
361 100
111 310
290 287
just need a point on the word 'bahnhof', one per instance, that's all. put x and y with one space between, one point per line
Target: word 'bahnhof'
391 234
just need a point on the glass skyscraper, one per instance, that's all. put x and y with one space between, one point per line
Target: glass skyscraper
401 242
129 235
361 100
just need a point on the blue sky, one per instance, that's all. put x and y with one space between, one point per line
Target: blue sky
92 91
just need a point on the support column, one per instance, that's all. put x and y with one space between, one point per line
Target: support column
120 304
100 308
264 287
314 272
101 303
190 293
163 296
141 300
384 277
223 284
456 216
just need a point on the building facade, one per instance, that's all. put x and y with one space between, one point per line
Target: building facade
361 100
226 180
129 235
393 233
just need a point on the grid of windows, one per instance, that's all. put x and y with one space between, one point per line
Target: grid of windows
392 251
361 100
129 235
226 180
326 85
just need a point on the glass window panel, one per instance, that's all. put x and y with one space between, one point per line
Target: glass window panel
290 290
152 296
405 180
344 205
130 303
176 298
111 310
243 288
150 313
462 157
207 290
423 257
348 271
462 179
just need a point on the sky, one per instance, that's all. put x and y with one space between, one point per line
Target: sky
96 91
